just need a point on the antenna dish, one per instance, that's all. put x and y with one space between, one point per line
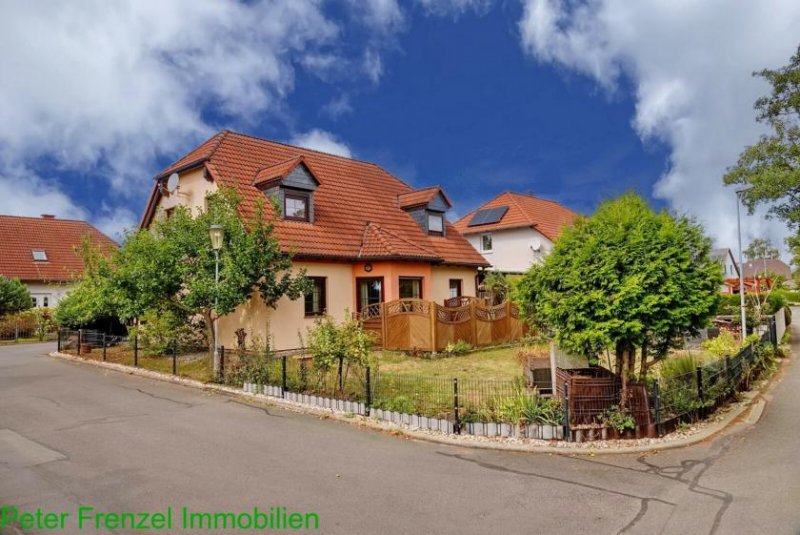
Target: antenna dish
536 245
172 182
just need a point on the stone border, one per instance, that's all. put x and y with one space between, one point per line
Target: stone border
327 408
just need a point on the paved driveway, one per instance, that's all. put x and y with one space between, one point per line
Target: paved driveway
73 434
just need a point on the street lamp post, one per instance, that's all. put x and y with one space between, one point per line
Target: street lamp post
741 259
216 233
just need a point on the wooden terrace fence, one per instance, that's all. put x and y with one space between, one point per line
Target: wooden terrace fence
416 324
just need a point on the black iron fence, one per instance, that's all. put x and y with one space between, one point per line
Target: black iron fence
167 356
16 329
660 405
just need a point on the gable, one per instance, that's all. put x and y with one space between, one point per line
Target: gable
300 177
438 203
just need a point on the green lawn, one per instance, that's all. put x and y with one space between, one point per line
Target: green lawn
491 364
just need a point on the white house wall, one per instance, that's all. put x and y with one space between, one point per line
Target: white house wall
512 249
53 292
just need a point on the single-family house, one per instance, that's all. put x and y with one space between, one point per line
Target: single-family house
730 270
363 235
42 253
515 230
765 268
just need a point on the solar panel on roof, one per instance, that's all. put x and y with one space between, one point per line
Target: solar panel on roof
488 216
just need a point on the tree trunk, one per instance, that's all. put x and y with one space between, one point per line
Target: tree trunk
644 367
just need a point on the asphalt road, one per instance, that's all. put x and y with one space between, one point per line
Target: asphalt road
74 435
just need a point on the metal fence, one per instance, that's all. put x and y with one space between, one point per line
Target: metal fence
15 329
170 356
659 406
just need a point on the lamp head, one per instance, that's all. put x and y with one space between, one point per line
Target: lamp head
216 233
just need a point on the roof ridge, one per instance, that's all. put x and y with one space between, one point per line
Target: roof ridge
414 244
40 218
520 208
285 144
543 199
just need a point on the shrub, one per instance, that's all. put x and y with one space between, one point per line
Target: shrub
36 322
159 330
775 302
619 419
458 348
724 345
332 343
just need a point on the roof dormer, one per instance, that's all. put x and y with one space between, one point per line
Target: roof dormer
292 183
428 207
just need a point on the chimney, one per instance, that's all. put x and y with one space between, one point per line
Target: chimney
48 216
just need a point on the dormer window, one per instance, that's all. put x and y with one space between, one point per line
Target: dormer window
435 223
427 207
292 184
39 255
295 206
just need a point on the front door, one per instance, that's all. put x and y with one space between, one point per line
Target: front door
370 291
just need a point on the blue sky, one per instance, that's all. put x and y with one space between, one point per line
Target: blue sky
573 101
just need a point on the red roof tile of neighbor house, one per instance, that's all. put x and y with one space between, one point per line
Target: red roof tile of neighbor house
548 217
58 238
352 195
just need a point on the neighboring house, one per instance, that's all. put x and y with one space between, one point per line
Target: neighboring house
730 270
515 230
767 268
363 235
42 253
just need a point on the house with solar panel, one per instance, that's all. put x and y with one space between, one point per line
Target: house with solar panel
515 230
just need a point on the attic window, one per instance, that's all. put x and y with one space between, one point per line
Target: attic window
296 206
39 255
435 224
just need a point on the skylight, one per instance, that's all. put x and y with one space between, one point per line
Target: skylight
39 255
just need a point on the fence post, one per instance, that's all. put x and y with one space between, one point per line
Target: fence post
58 346
773 331
283 376
80 340
657 406
222 363
136 350
104 347
434 330
457 422
567 432
368 402
339 375
700 393
16 331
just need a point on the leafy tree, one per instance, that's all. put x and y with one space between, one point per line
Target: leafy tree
496 286
772 165
760 249
172 265
344 345
14 296
627 280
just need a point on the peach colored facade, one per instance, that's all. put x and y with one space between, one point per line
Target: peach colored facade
285 327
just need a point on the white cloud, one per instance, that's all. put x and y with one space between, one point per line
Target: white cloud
322 141
381 15
104 88
373 65
691 65
24 193
338 107
454 8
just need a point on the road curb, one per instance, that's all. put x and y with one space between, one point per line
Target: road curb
751 400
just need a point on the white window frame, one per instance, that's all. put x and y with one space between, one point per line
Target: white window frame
483 243
41 252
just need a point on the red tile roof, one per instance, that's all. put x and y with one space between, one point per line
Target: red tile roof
421 197
58 238
548 217
352 195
